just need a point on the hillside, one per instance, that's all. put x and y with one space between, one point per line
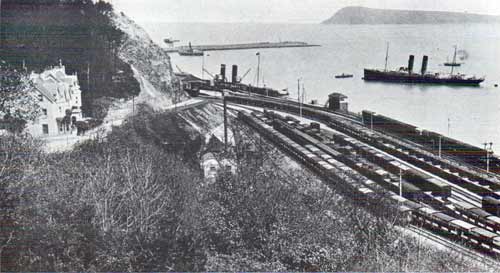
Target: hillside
150 63
369 16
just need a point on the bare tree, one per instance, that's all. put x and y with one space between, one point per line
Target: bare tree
18 102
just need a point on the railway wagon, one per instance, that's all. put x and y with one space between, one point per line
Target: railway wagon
491 205
422 163
427 183
421 180
481 236
409 191
469 154
452 227
480 217
374 140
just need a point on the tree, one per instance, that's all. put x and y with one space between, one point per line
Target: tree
18 102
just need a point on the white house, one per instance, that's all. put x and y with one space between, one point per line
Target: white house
58 94
210 164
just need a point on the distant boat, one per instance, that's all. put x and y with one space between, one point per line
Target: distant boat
170 41
452 64
343 76
190 51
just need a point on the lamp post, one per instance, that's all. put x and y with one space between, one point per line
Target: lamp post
489 151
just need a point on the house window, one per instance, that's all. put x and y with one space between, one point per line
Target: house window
45 128
44 112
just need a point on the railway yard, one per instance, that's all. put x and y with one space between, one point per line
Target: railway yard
450 201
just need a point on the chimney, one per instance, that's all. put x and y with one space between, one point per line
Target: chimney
425 60
411 61
234 78
223 72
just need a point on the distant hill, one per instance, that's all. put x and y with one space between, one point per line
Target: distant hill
361 15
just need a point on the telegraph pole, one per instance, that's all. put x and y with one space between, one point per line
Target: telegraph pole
298 97
303 93
371 121
488 152
258 68
225 121
440 146
400 182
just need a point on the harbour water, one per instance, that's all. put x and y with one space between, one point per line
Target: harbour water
471 114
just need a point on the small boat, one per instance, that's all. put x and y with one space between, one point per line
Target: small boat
343 76
190 51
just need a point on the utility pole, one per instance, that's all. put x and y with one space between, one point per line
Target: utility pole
298 97
400 182
371 121
88 76
488 152
440 146
258 68
225 121
303 93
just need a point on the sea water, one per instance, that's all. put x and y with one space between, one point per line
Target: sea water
470 114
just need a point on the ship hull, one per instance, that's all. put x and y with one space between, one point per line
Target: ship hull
397 77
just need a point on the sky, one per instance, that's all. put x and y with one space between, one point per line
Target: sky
291 11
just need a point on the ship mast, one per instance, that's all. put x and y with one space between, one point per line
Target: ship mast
454 61
386 57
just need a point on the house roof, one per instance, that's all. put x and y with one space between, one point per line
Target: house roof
46 93
214 145
48 83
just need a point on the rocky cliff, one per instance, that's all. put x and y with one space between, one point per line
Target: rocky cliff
362 15
150 63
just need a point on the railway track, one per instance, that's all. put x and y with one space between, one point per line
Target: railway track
453 227
455 247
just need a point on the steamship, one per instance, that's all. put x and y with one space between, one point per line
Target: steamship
407 75
220 83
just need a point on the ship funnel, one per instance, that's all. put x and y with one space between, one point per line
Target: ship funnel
223 72
411 61
234 78
425 60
